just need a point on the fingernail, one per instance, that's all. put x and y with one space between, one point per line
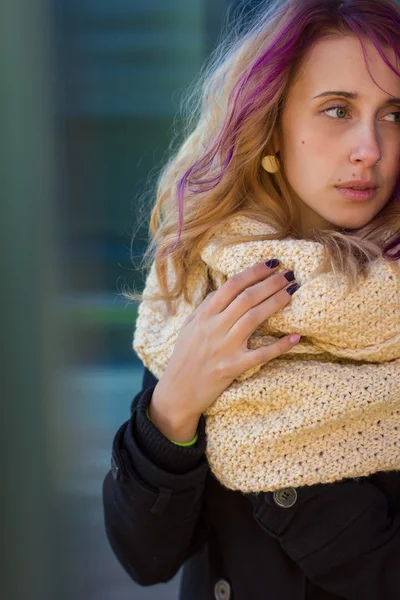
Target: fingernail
289 276
271 264
292 288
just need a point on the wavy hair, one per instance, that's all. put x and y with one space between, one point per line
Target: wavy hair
229 116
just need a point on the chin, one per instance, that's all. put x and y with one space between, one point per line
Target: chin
352 225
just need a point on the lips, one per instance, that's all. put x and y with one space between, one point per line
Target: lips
357 195
358 185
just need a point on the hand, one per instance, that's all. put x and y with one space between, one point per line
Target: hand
211 347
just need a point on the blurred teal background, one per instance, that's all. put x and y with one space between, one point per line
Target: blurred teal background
123 66
89 92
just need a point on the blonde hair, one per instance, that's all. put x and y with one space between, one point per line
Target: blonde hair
230 115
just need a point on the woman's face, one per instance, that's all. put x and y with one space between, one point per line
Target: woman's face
329 140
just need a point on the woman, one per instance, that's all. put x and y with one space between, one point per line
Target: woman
239 463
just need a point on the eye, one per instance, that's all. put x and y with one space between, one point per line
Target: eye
396 117
345 109
341 107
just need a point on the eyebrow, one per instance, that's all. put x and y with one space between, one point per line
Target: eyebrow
354 96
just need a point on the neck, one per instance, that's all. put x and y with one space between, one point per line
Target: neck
308 220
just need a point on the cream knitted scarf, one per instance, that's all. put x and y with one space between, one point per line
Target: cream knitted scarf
326 410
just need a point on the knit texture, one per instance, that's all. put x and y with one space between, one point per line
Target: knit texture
326 410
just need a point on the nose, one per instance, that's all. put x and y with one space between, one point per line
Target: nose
367 146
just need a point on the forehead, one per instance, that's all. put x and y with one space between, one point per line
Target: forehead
337 63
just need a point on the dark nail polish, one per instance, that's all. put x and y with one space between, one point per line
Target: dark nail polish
289 276
271 264
292 288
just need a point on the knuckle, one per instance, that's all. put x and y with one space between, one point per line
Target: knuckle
208 298
202 316
211 294
252 318
233 281
219 369
246 295
276 302
204 306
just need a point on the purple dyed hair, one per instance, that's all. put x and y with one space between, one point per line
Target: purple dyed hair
309 20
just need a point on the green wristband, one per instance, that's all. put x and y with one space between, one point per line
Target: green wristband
193 441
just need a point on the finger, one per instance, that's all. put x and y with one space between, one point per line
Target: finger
251 309
259 356
236 284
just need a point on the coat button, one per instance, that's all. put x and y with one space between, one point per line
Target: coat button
115 470
285 497
222 590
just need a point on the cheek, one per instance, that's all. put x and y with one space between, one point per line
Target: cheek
396 165
320 146
391 168
308 145
310 157
307 152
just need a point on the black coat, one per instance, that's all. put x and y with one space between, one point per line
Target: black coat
163 508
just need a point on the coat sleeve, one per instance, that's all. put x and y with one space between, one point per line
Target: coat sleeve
153 496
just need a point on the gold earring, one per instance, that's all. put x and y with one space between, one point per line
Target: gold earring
271 163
